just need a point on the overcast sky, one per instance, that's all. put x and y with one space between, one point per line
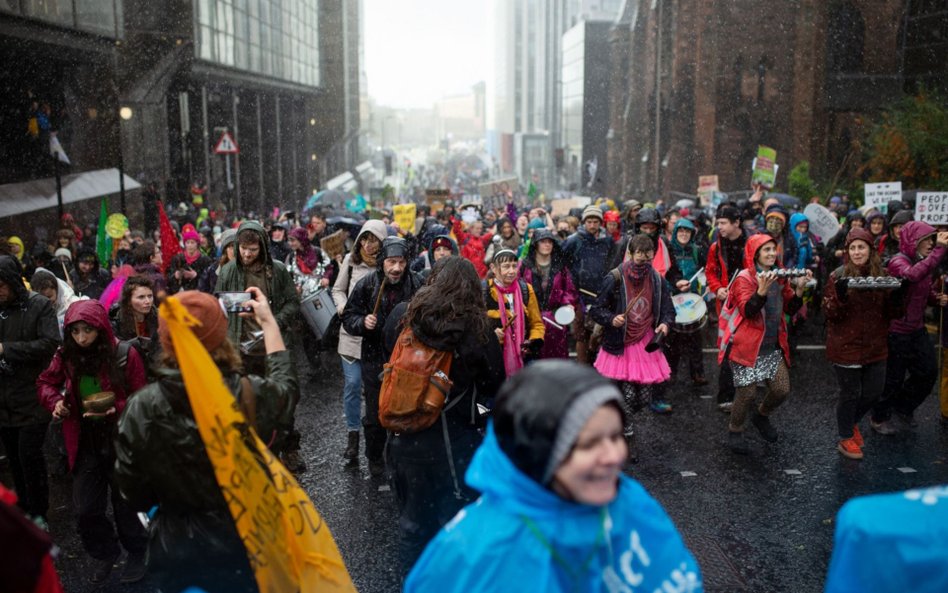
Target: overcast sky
417 51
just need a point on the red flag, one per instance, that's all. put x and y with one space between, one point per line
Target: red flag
169 240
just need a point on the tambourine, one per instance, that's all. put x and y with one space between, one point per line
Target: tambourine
873 282
789 272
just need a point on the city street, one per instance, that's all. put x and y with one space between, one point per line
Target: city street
761 523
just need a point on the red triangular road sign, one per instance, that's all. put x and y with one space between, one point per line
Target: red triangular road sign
226 145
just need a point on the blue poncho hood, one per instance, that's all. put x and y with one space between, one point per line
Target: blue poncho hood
507 539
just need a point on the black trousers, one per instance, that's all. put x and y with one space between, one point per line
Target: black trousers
859 390
24 445
726 388
424 488
688 346
92 488
912 355
375 435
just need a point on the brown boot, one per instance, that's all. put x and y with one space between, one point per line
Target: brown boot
352 448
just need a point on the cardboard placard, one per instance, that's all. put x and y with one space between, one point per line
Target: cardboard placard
562 206
932 207
334 244
880 194
504 186
707 185
405 215
764 168
823 223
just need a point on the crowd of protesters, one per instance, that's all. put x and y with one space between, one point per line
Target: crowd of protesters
501 290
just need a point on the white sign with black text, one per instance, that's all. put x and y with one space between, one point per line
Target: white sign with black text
880 194
932 207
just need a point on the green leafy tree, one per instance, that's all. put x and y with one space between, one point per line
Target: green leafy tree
800 182
909 142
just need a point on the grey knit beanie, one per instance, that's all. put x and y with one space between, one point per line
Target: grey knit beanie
573 421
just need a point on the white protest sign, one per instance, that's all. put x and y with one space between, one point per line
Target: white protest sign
823 223
880 194
932 207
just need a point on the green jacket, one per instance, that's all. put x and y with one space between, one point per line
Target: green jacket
157 439
284 301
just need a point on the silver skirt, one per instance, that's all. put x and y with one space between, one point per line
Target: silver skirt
765 369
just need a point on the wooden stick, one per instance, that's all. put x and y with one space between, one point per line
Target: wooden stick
378 299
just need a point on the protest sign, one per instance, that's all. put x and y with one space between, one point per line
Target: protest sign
562 206
707 185
880 194
405 215
289 546
823 223
504 186
932 207
334 244
764 167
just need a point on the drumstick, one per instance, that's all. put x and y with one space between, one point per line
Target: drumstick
553 323
698 273
378 299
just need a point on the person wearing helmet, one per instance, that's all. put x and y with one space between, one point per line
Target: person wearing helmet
369 305
555 509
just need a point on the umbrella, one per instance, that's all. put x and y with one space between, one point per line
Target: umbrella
327 197
351 224
787 201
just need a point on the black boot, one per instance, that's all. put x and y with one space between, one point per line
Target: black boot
352 448
764 427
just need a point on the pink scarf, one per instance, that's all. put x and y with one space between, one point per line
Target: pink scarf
513 333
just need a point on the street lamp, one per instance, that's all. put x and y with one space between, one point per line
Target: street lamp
125 113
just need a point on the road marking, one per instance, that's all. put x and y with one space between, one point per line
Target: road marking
688 474
907 470
793 472
384 488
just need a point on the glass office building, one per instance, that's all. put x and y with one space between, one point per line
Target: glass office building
101 17
275 38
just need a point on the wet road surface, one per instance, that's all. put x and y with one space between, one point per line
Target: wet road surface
762 522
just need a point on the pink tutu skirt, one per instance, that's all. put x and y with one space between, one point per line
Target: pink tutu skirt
635 365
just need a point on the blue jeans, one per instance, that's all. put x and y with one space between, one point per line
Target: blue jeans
352 393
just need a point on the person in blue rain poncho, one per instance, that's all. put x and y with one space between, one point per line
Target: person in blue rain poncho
555 512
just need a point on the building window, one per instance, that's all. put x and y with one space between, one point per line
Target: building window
845 39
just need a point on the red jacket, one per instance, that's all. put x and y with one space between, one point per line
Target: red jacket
473 248
58 377
749 332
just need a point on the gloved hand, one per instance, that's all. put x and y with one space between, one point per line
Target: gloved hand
530 350
842 288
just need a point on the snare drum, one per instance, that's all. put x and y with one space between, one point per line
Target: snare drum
318 310
691 313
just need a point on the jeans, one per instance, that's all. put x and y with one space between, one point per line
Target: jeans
913 355
859 390
352 392
24 445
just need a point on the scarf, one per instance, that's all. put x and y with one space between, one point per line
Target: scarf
367 259
514 331
638 298
190 259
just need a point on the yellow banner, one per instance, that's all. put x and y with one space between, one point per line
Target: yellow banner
289 546
404 215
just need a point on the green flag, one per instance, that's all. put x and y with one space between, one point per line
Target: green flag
532 191
103 243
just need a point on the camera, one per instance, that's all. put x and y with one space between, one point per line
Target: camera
234 302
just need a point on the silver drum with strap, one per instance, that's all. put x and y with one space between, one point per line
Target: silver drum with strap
691 313
318 309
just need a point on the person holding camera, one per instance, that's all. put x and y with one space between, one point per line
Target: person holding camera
255 268
157 437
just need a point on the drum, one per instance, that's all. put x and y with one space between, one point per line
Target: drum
318 310
564 315
691 313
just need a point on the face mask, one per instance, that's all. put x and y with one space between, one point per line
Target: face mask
774 225
563 234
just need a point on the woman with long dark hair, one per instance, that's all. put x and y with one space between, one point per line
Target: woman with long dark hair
135 318
448 315
855 341
91 362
